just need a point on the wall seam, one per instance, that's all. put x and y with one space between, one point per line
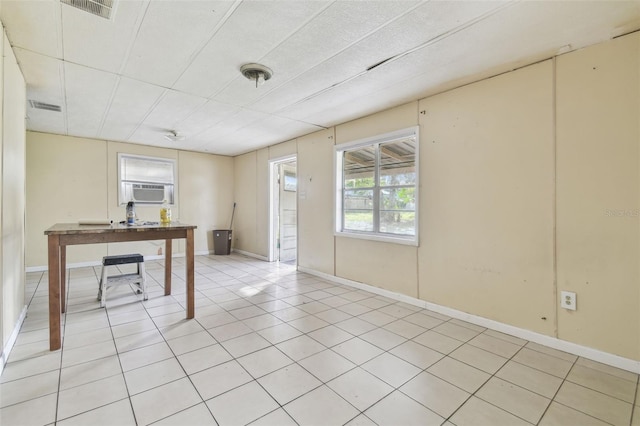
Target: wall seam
419 184
554 197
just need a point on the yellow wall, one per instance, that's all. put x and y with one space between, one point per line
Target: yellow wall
598 119
66 181
486 202
389 266
12 194
244 228
315 202
206 194
69 179
517 174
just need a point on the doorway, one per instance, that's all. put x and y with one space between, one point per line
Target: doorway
283 212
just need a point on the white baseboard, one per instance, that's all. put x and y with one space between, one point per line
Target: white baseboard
247 253
532 336
12 339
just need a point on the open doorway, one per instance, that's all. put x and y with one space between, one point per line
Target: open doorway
283 241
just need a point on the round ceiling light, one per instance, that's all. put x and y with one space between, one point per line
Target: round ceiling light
256 72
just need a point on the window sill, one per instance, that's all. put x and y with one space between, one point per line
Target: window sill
412 241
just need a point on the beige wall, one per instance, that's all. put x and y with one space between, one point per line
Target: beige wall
244 228
598 119
206 194
486 202
385 265
315 201
66 181
69 179
513 199
12 193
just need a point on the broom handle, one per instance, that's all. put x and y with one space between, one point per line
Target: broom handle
233 212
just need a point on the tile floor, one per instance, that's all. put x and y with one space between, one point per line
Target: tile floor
272 346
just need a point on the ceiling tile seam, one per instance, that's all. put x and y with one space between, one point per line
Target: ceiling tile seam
236 113
137 26
136 31
451 32
109 104
178 123
253 122
294 32
365 36
149 111
61 70
206 40
465 84
443 36
63 87
59 31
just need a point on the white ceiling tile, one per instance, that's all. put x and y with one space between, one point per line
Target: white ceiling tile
318 50
265 132
218 133
33 25
44 85
172 109
43 74
130 105
172 31
258 26
97 42
337 29
413 29
88 92
461 58
207 116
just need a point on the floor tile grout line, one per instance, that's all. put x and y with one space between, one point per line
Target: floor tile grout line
635 408
331 323
474 394
187 375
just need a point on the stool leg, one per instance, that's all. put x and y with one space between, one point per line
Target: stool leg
103 287
143 283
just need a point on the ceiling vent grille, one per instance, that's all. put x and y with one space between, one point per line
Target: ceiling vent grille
45 106
101 8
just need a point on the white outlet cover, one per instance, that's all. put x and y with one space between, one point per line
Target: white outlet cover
568 300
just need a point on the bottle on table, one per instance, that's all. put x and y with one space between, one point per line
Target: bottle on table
165 212
131 213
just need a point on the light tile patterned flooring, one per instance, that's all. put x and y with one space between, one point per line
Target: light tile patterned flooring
272 346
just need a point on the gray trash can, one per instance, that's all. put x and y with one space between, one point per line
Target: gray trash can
222 241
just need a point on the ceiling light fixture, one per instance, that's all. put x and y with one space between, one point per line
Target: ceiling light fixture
174 136
258 73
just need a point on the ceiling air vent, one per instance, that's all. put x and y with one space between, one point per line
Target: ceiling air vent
42 105
101 8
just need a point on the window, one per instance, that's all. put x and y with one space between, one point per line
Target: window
146 180
376 187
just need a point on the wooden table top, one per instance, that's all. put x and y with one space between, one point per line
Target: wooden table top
75 228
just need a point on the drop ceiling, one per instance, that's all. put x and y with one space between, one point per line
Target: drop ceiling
164 66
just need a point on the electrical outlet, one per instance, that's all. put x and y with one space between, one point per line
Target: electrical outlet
568 300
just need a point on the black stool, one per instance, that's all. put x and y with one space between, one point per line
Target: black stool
139 278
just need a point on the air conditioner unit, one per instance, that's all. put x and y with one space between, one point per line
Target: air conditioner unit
147 193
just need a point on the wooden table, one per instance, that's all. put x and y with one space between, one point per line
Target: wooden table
62 235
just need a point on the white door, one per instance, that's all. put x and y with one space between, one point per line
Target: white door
288 226
284 226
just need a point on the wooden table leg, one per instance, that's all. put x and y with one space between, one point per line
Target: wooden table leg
54 292
167 268
63 279
191 311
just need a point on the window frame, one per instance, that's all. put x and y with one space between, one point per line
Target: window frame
338 168
174 183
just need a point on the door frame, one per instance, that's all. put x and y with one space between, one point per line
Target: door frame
273 163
